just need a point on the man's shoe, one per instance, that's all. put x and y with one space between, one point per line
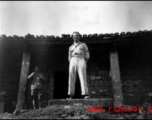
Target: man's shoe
70 97
87 97
16 112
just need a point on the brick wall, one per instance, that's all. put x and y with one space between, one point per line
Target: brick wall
10 67
98 71
136 72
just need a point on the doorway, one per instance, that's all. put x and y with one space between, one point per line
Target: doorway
61 78
60 84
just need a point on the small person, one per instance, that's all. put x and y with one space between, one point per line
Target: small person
36 87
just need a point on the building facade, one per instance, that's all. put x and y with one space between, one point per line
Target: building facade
120 66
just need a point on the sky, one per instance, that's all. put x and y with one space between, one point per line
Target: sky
65 17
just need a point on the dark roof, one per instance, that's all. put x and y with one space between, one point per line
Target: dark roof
93 38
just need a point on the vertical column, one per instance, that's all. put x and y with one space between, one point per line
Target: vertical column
23 81
116 81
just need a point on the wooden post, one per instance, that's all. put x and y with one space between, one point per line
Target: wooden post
116 80
23 81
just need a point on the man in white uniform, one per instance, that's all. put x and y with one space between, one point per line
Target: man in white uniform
78 57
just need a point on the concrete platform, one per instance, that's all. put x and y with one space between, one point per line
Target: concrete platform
104 102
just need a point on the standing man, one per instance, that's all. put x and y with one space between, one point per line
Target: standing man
36 87
78 57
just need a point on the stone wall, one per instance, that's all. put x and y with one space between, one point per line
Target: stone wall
10 67
136 72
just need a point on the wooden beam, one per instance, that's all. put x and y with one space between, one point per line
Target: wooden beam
116 80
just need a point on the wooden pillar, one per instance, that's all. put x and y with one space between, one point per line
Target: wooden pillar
23 80
116 80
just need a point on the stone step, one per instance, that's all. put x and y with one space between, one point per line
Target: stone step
104 102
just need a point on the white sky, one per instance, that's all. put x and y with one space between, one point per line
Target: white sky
64 17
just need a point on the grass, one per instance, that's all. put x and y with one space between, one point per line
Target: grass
70 112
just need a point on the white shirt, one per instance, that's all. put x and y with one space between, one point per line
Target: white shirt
80 49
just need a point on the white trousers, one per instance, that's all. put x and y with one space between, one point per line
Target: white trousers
77 64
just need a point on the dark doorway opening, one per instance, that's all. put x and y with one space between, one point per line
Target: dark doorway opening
60 84
61 78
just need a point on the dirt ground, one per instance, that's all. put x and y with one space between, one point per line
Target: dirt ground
71 112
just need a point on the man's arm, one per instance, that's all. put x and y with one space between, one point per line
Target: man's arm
69 55
31 75
87 55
